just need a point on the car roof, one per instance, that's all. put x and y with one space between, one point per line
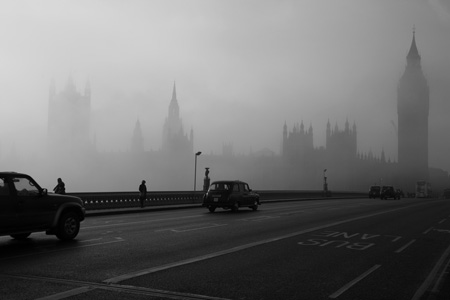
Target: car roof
228 181
9 173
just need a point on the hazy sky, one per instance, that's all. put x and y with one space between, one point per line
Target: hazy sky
242 68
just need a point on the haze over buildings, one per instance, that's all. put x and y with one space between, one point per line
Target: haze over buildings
242 70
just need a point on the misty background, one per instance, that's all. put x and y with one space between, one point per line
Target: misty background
242 69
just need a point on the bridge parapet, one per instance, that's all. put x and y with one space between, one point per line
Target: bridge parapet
114 200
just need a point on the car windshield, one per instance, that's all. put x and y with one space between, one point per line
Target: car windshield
220 186
375 188
25 187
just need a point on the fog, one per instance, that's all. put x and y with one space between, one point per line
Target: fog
242 70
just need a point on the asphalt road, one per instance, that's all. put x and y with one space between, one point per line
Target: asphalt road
327 249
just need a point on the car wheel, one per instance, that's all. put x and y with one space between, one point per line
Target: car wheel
68 226
20 236
235 206
255 205
212 209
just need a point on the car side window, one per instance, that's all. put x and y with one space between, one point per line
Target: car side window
25 187
235 187
246 188
4 188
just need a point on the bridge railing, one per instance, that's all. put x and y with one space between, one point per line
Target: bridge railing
114 200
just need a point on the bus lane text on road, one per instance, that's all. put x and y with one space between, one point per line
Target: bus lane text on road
346 240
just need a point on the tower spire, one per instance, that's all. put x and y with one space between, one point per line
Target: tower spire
174 92
413 57
174 110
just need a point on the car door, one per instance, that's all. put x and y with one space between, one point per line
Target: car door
8 217
33 210
246 196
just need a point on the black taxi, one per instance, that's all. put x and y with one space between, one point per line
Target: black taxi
230 194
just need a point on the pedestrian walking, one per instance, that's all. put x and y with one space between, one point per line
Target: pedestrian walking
60 188
142 193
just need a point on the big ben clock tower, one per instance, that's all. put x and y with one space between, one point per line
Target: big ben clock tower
413 109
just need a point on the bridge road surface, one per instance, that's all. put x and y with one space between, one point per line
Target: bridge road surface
326 249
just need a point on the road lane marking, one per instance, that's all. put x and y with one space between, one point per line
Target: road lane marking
428 230
260 218
405 246
442 221
67 294
139 222
293 212
426 284
191 227
353 282
437 287
243 247
85 286
85 241
442 230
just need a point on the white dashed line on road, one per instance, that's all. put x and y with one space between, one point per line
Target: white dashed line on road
405 246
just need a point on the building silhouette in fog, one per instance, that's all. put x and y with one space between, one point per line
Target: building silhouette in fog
137 140
342 143
304 164
300 165
413 109
297 142
174 139
69 118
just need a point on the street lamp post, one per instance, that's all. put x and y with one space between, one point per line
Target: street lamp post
195 172
325 184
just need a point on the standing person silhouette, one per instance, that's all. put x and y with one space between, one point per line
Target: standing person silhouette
142 193
60 188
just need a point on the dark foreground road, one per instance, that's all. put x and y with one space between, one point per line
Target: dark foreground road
328 249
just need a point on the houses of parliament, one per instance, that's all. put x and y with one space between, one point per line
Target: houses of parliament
298 166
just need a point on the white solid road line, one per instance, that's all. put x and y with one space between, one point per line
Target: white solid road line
353 282
426 284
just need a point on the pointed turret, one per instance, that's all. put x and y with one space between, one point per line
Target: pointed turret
328 128
413 57
174 110
383 156
137 142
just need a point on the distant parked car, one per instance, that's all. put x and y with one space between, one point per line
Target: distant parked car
374 191
25 207
388 191
230 194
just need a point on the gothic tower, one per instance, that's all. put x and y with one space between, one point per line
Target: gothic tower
413 109
137 141
69 119
175 140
